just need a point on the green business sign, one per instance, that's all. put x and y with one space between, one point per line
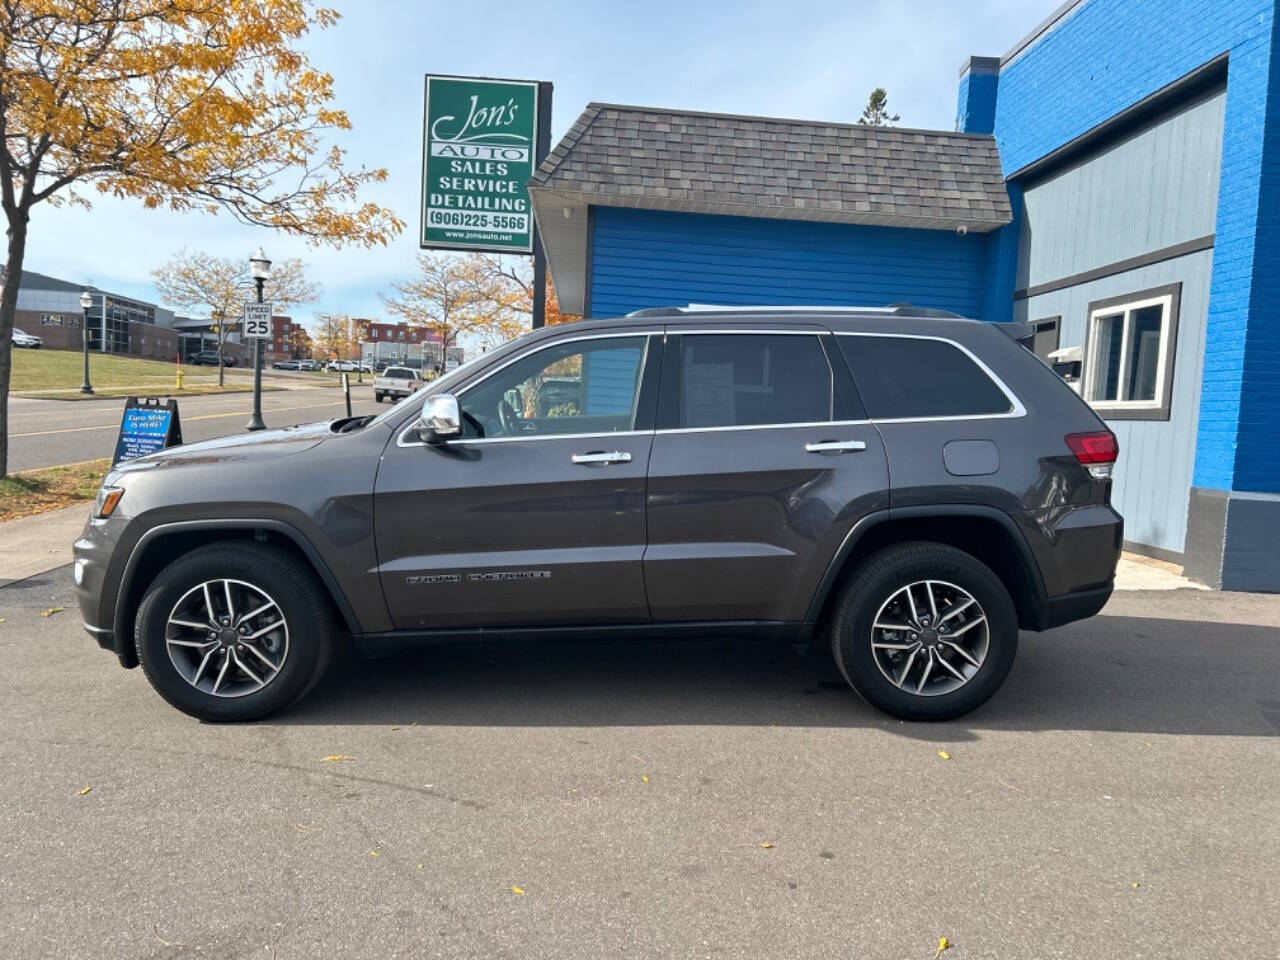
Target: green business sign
480 143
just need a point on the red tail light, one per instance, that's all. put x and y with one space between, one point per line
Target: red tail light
1096 450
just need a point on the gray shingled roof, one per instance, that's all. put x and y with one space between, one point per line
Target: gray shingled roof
760 166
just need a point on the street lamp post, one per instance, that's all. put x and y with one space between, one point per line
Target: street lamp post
260 268
359 361
86 301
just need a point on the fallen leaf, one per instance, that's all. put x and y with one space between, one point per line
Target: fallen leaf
373 853
645 778
767 846
943 944
1136 885
336 758
162 941
944 755
84 790
419 866
50 612
518 891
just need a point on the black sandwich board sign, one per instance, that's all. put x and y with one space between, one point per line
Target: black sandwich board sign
149 424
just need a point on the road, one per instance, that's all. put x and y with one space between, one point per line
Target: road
1119 798
45 433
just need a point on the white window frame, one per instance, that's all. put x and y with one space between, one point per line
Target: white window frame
1125 306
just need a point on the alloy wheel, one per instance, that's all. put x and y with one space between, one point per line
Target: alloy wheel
227 638
930 638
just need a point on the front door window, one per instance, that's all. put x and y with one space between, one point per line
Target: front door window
582 386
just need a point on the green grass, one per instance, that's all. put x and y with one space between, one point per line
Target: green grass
35 491
57 374
64 369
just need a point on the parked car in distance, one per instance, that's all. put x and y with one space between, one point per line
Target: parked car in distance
903 487
209 358
309 365
287 365
341 366
396 382
21 339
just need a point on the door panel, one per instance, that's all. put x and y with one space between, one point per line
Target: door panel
481 532
761 466
536 515
743 523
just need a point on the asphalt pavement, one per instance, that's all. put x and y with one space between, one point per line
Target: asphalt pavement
45 433
1118 798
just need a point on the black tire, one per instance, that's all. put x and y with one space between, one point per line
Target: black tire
377 398
301 599
877 579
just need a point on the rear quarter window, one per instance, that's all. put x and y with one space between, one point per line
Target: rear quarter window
914 377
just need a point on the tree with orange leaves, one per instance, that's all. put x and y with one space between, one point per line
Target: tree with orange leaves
187 104
457 295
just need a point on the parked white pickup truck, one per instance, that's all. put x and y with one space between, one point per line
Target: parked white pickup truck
396 382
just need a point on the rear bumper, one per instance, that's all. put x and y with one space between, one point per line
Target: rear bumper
1075 606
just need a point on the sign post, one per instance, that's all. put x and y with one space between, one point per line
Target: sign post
257 327
482 139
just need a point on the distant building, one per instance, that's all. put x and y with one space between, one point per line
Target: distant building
49 308
397 342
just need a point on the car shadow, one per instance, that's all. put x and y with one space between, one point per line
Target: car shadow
1112 673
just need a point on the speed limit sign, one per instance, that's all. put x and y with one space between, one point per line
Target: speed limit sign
257 320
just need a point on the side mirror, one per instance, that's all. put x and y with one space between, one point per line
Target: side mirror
440 419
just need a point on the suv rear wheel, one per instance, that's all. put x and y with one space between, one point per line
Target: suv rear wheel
233 631
924 631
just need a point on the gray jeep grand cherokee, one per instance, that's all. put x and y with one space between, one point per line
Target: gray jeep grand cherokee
907 488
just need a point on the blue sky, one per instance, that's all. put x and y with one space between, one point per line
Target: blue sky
812 61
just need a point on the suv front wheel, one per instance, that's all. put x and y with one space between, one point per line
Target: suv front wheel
233 631
924 631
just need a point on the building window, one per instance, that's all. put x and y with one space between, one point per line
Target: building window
1129 352
1046 336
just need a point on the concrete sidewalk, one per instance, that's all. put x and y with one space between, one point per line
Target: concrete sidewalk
1136 572
32 545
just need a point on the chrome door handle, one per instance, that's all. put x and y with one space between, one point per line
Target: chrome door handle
834 446
613 456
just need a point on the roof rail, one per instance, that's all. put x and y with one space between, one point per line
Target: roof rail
893 310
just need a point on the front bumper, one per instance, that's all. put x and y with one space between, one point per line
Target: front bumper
97 584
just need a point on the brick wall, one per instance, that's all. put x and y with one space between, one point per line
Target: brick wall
64 336
979 82
153 342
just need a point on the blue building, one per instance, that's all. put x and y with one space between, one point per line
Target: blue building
1115 178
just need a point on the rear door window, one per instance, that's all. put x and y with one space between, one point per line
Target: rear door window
737 380
900 377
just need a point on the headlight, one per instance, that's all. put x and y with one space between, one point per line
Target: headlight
108 499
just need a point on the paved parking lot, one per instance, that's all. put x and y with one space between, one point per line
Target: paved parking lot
1118 799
